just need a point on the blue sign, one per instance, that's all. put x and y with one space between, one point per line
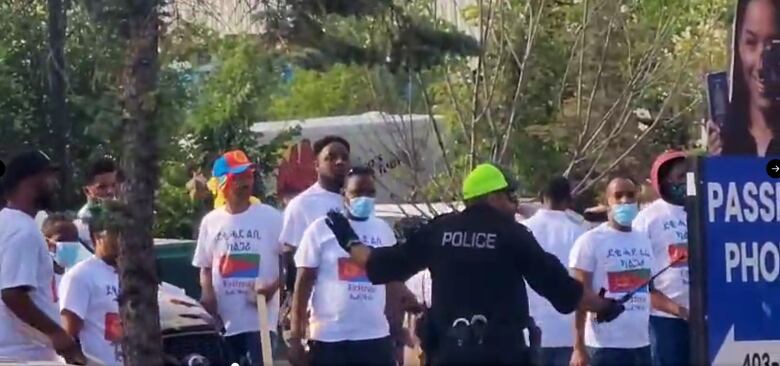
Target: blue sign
741 219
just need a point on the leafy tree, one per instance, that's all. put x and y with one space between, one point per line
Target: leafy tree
581 88
90 75
341 89
377 33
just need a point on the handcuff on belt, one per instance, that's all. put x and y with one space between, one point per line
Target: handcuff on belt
471 332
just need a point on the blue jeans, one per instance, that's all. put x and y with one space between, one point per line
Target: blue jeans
620 356
669 338
245 350
555 356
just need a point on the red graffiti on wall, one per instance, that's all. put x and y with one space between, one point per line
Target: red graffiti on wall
296 170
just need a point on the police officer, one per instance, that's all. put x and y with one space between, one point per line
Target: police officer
478 259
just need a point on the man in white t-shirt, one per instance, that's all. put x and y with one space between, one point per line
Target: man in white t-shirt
664 222
101 184
331 164
347 325
617 260
89 294
238 244
556 232
30 328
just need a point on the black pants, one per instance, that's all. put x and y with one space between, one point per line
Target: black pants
503 353
494 357
367 352
245 348
620 356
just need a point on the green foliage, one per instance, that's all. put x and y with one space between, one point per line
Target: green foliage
107 216
656 51
396 38
228 83
349 91
92 105
175 212
359 56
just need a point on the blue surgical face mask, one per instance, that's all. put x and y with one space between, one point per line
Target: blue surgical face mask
361 207
70 253
625 213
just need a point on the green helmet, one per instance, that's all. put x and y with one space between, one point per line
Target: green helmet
485 179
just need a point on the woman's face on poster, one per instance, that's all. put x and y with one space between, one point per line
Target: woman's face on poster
758 29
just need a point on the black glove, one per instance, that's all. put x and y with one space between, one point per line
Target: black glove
611 311
340 226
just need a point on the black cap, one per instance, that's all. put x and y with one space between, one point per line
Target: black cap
25 165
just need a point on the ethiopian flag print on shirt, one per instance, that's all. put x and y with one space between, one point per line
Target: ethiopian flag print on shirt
349 271
678 253
627 281
113 325
242 265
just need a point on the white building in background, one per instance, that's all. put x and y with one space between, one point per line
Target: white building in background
403 150
240 16
223 16
452 11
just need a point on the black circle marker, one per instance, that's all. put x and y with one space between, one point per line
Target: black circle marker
773 168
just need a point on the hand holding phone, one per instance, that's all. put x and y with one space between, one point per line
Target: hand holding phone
717 110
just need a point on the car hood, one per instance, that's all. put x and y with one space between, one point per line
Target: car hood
179 311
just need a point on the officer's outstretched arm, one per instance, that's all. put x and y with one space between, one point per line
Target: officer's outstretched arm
545 273
606 309
396 263
386 264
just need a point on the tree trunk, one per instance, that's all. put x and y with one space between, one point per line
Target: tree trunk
138 276
58 108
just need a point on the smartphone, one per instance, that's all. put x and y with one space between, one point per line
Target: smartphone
717 97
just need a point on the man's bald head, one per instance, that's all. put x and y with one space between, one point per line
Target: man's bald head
621 190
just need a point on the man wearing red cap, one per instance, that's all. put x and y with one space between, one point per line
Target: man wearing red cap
237 245
664 222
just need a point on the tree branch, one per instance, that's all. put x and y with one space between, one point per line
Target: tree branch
533 27
582 187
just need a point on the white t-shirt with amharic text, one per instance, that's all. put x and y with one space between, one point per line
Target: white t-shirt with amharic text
90 290
304 209
619 262
344 303
25 262
666 226
556 232
240 249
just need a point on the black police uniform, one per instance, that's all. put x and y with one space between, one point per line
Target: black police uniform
478 260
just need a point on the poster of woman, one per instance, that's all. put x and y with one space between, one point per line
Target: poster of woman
752 124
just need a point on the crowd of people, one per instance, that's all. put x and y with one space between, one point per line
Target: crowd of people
468 287
620 256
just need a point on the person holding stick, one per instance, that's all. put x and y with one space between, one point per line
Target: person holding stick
665 223
238 246
619 262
